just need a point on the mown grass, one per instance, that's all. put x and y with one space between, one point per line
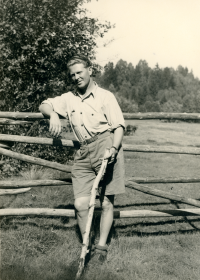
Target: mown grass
155 248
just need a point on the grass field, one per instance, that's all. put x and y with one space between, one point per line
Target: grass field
146 249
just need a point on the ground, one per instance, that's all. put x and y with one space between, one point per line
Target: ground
143 248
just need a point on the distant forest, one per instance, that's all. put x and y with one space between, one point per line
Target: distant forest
143 89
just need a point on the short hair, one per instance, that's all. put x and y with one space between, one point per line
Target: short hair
79 59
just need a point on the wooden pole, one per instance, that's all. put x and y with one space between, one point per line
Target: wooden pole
163 194
4 192
90 214
156 180
4 146
37 212
38 140
117 214
32 183
19 115
158 213
11 122
154 115
34 160
126 147
128 116
66 181
161 149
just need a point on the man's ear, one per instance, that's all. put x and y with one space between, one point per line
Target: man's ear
90 70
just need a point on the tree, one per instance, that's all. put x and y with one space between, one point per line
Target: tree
125 89
167 78
36 39
152 106
126 105
108 76
121 73
153 86
112 88
189 104
171 107
183 71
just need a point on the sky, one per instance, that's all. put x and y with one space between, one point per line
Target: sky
166 32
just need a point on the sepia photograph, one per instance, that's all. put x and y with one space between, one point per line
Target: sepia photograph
99 140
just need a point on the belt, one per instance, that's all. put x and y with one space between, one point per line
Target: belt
94 138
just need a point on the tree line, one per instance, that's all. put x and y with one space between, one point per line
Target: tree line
143 89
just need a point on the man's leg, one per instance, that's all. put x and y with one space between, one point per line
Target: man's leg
81 205
106 218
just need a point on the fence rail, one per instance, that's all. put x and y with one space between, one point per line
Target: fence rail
159 116
128 116
117 214
34 160
17 191
76 145
13 122
171 196
67 181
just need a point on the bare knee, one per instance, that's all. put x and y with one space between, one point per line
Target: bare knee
107 204
81 203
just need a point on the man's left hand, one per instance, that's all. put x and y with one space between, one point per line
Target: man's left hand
112 155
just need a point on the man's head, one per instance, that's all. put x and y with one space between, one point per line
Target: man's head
80 70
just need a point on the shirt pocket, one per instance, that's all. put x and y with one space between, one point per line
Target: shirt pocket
95 119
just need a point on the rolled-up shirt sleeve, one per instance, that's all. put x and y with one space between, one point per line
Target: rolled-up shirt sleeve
58 104
113 113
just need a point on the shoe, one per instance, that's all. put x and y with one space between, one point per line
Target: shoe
98 256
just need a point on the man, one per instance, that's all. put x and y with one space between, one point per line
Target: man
98 123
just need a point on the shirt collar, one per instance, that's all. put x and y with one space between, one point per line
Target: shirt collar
92 91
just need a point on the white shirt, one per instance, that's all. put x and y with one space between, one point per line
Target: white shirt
91 114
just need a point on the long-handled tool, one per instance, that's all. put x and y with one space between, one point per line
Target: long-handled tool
90 214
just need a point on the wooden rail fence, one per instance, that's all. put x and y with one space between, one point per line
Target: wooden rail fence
13 187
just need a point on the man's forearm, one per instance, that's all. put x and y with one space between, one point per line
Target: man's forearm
118 136
55 125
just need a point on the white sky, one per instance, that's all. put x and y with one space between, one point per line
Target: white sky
166 32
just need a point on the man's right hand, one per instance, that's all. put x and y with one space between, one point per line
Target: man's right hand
55 124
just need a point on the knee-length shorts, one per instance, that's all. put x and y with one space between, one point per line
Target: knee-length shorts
87 163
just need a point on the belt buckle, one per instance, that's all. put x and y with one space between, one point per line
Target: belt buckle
84 142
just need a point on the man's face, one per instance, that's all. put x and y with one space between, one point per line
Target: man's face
80 75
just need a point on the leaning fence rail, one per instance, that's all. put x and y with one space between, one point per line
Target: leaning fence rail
34 160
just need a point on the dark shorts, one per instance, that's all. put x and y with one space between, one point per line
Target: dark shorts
87 163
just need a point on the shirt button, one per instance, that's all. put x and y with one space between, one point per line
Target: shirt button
80 112
92 114
82 125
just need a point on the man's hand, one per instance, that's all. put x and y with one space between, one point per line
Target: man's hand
111 157
55 124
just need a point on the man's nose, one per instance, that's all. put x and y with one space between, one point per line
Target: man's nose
76 76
